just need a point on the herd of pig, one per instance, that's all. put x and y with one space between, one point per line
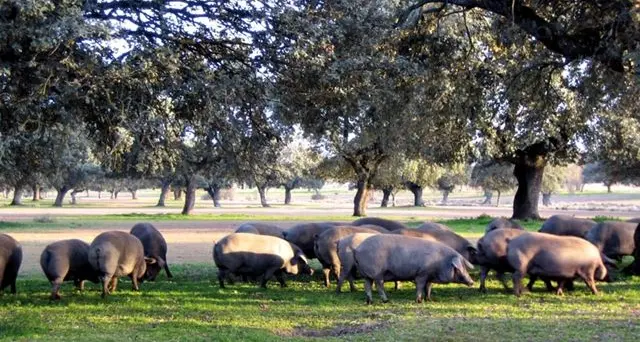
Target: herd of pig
376 249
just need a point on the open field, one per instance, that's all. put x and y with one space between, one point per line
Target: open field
192 306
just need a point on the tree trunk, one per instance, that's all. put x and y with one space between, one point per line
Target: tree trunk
498 200
164 191
17 195
74 200
134 194
115 194
214 193
287 195
177 194
546 199
393 199
528 171
262 190
608 187
61 193
99 194
417 194
87 193
488 197
445 196
360 200
190 196
386 193
36 193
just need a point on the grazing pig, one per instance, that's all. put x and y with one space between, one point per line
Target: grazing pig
389 225
552 257
634 220
302 235
502 223
260 229
326 250
116 254
67 260
346 247
397 257
155 247
635 266
414 233
446 236
258 255
492 254
567 225
10 260
613 239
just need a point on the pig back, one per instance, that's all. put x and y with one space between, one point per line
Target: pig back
153 242
502 223
389 225
303 235
251 253
567 225
614 239
261 229
117 253
71 256
445 235
492 247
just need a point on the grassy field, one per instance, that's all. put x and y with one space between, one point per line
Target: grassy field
192 307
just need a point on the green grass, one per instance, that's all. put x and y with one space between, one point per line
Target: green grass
192 307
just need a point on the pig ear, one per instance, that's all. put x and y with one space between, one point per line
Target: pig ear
458 261
160 262
150 261
472 250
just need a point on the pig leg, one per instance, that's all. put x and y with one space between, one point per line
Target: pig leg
336 270
517 282
55 288
166 269
427 289
266 276
559 289
221 275
367 290
483 276
13 286
344 274
420 286
105 285
114 284
532 280
79 284
396 285
380 286
134 282
326 271
501 278
280 278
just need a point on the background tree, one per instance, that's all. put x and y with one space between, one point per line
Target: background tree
552 181
388 179
295 164
454 175
419 174
493 176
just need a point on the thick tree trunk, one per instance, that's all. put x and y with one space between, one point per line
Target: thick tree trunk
386 193
498 199
608 188
528 171
61 193
360 200
36 193
99 194
177 194
445 196
87 193
74 198
190 196
134 194
287 195
417 194
262 190
164 191
546 199
393 199
214 193
488 197
17 195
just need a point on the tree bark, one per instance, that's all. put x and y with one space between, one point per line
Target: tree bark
546 199
445 196
190 196
417 194
214 193
36 193
488 197
360 200
498 199
134 194
287 195
262 190
17 195
164 191
99 194
74 199
528 171
386 193
61 193
608 187
177 194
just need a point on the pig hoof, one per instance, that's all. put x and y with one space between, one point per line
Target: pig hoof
419 300
385 301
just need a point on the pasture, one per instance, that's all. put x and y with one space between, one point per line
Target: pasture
191 306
